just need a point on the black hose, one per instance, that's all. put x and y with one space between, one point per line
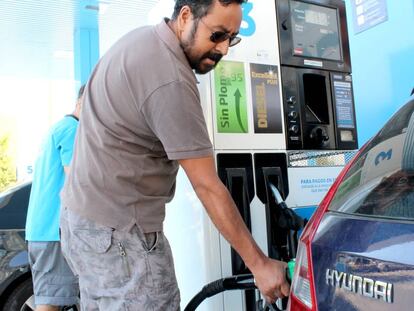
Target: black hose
244 281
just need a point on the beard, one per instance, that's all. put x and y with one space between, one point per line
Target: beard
195 61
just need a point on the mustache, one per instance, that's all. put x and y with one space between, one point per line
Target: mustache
214 56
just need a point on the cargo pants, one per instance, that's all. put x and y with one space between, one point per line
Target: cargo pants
119 270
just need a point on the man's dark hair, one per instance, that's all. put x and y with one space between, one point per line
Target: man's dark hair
200 8
81 90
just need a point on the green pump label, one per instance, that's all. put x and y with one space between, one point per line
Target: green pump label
230 99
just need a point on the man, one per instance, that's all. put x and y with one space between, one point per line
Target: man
53 282
142 119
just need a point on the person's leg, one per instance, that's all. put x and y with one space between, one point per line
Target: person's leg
162 292
117 270
54 284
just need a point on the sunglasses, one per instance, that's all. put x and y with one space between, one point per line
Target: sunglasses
221 36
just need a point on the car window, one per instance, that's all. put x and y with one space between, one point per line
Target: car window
6 194
397 124
381 181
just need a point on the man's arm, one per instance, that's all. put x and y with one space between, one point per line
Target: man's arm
269 274
67 170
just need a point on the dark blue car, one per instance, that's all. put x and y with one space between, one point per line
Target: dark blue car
357 251
15 277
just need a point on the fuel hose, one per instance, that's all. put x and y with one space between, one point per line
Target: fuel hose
243 281
240 282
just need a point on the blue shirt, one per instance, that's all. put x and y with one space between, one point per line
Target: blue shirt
42 222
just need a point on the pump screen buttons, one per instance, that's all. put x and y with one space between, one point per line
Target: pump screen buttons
291 100
293 114
294 129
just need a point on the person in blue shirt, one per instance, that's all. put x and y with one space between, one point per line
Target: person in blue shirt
54 284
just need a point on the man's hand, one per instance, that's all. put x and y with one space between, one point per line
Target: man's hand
270 277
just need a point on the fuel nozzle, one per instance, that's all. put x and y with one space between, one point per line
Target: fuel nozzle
277 195
288 219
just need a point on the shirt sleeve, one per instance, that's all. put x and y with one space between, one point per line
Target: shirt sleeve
65 142
174 114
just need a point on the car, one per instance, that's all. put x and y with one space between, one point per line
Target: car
15 276
357 250
16 287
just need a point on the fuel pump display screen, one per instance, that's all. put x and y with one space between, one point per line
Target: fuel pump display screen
315 31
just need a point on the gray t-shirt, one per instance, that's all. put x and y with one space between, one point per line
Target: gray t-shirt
141 113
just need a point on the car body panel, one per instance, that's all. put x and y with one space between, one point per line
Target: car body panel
373 249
